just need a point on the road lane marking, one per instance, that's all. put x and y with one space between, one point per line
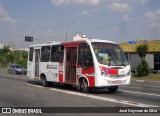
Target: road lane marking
125 102
139 80
140 93
105 98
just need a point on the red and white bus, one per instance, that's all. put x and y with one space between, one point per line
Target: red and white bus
84 63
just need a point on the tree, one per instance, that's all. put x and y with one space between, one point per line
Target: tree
143 67
10 57
18 57
4 50
142 51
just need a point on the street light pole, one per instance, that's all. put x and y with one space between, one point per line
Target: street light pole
69 26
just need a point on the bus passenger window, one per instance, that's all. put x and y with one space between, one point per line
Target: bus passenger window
45 54
85 59
57 53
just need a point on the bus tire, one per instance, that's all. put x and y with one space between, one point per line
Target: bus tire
84 86
44 82
68 85
112 89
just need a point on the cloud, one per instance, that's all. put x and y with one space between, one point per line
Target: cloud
60 2
152 15
154 25
69 2
4 16
140 1
154 18
86 12
119 7
129 1
127 18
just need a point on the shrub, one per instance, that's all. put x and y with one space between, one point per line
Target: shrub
143 69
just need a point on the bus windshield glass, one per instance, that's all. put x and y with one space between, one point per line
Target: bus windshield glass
109 54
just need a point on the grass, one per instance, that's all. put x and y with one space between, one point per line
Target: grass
150 77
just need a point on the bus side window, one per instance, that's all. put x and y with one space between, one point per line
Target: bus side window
31 54
57 53
85 59
45 54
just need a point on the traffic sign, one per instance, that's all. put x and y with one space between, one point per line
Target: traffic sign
28 38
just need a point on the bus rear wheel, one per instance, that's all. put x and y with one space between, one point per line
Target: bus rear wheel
112 89
84 86
44 82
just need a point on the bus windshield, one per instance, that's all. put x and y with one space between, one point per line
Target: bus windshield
109 54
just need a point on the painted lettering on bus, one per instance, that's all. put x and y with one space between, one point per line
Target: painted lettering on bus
52 66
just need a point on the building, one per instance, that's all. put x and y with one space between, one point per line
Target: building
153 56
154 46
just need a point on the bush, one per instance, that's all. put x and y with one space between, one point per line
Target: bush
143 69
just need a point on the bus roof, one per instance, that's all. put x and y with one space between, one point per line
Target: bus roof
103 41
77 39
45 44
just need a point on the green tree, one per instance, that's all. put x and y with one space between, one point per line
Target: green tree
142 51
21 58
10 57
143 67
1 60
4 50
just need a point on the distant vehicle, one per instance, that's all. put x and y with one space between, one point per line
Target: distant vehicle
16 69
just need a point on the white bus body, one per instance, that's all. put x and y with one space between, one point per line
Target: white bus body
84 62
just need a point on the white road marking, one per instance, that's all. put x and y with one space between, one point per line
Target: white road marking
139 80
100 98
141 93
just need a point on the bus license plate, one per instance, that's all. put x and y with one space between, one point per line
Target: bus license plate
116 82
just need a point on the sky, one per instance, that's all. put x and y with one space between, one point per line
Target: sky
50 20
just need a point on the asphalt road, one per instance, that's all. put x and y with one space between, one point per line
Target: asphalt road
18 91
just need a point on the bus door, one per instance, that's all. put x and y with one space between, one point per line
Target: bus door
71 59
37 60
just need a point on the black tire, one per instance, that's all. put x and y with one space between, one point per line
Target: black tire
44 82
17 72
84 86
68 85
112 89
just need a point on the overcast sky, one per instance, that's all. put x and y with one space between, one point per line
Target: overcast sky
47 20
